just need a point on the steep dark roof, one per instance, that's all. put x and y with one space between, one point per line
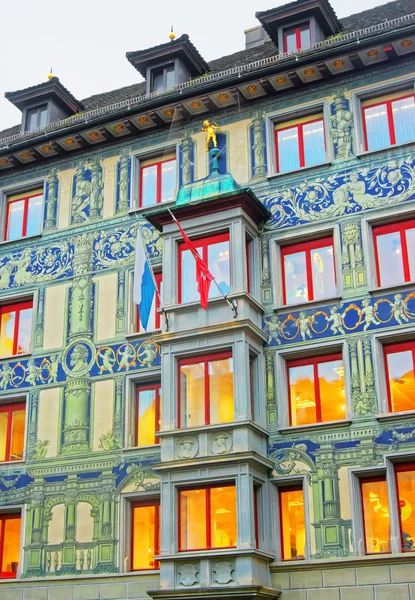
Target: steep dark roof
389 11
51 87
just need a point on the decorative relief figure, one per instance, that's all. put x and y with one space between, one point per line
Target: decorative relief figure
336 320
222 573
51 201
88 190
126 357
368 314
221 443
40 450
107 355
187 447
188 574
78 358
398 308
147 353
186 153
341 125
304 321
274 328
108 442
123 183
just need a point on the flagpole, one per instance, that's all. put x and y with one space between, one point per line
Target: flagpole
232 306
163 311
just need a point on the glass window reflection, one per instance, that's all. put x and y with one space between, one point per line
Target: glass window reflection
10 526
401 378
292 524
405 481
376 516
145 536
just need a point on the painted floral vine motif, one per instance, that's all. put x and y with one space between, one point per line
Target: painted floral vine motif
344 193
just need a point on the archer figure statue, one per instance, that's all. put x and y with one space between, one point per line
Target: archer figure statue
211 135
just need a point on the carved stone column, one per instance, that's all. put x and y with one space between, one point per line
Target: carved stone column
123 203
40 318
120 317
51 200
258 145
186 154
32 434
353 267
266 270
118 404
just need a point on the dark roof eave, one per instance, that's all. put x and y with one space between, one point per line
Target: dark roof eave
285 65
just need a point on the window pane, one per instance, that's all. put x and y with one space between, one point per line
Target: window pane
401 380
7 323
288 153
168 180
314 145
170 78
290 42
410 244
218 263
404 119
192 519
332 393
406 502
390 258
149 185
144 537
4 420
146 424
25 329
305 38
296 289
302 395
377 127
376 516
292 525
188 283
17 441
192 397
322 268
42 116
15 220
158 83
11 547
31 120
34 215
223 517
221 390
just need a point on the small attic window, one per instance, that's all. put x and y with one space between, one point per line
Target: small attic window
162 78
36 117
297 38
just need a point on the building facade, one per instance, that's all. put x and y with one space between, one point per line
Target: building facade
264 447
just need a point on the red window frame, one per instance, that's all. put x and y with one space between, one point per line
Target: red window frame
361 482
158 278
400 468
10 409
204 358
159 164
207 489
297 30
25 213
306 247
389 110
400 228
315 361
201 245
392 349
156 504
17 308
281 490
299 127
3 518
142 388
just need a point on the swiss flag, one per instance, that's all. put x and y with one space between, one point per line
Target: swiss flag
203 275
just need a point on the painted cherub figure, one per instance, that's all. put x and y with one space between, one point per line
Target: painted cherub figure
398 309
211 133
147 354
369 314
108 361
275 329
126 358
53 367
304 323
6 376
336 320
33 372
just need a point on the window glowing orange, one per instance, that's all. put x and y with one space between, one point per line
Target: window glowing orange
292 521
208 518
405 484
145 536
400 361
9 545
12 425
376 518
147 415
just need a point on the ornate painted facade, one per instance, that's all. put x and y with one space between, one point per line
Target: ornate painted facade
81 469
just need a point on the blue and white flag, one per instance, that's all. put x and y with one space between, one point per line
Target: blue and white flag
144 286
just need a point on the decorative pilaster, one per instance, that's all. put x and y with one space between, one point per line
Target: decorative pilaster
40 318
270 386
76 416
258 146
123 183
353 267
51 200
87 192
32 434
341 130
118 406
120 317
186 153
266 270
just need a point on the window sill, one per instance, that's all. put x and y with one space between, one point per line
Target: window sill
314 426
353 561
212 427
214 553
4 359
386 417
10 463
35 236
141 448
326 163
139 210
306 304
142 335
385 149
388 289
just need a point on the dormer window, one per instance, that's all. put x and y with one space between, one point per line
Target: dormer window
36 117
297 38
162 78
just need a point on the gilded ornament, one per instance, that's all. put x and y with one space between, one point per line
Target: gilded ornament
281 80
169 112
46 149
223 97
25 155
4 161
143 120
338 63
196 104
119 127
406 43
308 71
211 133
251 88
69 141
372 53
93 134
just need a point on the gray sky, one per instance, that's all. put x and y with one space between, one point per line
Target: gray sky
86 42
